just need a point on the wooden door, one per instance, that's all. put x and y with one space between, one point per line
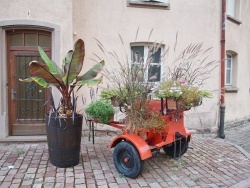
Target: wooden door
26 100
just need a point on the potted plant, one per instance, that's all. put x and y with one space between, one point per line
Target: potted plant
101 111
185 96
64 124
110 95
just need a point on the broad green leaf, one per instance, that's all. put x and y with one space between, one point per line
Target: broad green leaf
92 73
54 69
75 65
90 82
66 61
41 70
39 81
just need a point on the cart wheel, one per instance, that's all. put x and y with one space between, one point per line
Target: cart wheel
169 150
127 160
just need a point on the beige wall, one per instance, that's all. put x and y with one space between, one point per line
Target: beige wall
237 40
56 12
55 16
195 21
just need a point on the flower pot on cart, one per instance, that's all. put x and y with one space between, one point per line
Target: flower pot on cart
64 140
171 103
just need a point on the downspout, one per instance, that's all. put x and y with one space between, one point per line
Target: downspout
222 96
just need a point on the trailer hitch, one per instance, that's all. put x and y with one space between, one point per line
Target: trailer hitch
179 136
155 152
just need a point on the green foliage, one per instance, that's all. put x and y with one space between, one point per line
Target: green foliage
205 93
100 110
186 75
20 152
187 96
132 88
108 94
122 95
170 89
190 97
48 74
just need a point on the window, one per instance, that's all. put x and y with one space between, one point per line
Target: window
147 57
233 11
231 8
231 72
149 3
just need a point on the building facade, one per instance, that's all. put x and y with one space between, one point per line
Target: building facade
122 26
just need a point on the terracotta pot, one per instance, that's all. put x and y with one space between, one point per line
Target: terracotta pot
171 103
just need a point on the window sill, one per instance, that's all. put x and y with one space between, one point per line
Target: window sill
231 89
141 4
234 20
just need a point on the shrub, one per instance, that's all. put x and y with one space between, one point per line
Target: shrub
100 110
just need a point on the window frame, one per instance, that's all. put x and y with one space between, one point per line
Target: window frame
235 16
232 87
229 57
231 11
146 46
161 4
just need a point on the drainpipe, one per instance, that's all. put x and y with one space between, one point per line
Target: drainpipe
222 96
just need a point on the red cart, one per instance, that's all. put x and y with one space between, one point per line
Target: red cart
132 149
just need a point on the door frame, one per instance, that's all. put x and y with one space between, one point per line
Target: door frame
6 25
22 127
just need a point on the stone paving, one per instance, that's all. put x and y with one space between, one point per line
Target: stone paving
239 135
210 163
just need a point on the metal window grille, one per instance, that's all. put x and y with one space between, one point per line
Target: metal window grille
30 96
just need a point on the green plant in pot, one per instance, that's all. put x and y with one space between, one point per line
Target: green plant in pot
64 124
110 95
100 110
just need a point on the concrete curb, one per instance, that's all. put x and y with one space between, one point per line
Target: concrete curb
243 151
40 138
242 184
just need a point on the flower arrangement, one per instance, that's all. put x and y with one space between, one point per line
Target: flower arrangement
132 86
186 95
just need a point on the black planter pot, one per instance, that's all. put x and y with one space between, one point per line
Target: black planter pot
64 140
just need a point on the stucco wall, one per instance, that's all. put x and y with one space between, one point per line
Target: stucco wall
55 16
56 12
237 40
195 21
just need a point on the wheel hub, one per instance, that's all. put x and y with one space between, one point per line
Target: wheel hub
126 159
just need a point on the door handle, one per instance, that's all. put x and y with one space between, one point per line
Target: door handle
12 93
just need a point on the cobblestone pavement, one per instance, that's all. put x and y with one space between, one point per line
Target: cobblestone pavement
239 135
236 134
211 163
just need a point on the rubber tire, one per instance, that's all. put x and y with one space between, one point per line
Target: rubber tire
169 150
134 166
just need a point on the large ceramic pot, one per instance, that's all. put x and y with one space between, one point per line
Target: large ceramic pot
64 140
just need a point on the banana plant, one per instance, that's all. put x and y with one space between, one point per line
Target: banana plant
65 79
